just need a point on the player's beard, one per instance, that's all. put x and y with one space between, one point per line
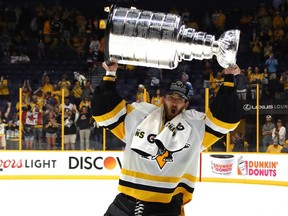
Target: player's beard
171 112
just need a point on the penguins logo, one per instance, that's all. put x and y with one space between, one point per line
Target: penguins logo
163 155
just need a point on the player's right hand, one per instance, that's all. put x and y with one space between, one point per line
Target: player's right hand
112 67
234 69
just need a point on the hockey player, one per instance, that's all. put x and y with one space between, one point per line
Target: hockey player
163 144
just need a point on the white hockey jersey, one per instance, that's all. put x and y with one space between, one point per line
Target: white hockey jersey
161 158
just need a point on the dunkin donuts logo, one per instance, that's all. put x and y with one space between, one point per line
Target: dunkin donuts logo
226 164
257 168
222 164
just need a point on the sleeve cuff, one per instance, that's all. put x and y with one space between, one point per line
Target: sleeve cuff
109 78
228 80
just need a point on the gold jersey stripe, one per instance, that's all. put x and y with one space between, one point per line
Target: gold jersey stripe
109 78
129 108
209 139
110 114
150 196
119 131
167 179
220 123
229 84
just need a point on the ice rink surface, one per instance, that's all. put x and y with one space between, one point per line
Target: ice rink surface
92 197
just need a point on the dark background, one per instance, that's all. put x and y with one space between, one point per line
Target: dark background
197 8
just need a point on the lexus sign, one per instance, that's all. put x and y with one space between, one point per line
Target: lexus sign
266 108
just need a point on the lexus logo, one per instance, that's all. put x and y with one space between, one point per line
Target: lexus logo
247 107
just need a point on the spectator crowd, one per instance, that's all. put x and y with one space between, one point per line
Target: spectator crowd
40 33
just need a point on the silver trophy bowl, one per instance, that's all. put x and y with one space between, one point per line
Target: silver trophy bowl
154 39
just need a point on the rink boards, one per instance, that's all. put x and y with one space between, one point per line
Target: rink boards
251 168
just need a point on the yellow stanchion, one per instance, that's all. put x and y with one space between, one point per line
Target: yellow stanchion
257 117
104 139
206 99
207 107
20 119
145 96
228 136
62 120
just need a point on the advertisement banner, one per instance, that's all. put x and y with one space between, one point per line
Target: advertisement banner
250 168
265 107
215 167
36 164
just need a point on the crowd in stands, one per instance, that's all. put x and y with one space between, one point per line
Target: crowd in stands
45 33
42 117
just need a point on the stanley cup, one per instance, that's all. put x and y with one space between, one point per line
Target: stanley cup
153 39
